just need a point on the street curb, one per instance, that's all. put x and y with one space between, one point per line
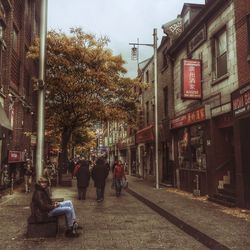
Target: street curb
193 232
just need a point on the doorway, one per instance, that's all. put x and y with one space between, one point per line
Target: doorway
245 155
167 166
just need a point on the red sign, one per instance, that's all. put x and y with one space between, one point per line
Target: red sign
241 100
197 115
145 135
191 79
16 156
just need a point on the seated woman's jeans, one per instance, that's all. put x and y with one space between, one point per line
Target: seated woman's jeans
65 207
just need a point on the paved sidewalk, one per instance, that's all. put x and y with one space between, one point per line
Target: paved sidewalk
117 223
208 217
125 222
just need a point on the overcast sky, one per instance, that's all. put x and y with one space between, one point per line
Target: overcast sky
123 21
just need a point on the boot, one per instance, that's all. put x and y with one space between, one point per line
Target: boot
71 233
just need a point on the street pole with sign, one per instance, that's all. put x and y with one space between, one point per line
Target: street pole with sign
154 45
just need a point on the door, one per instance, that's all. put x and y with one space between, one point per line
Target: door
245 151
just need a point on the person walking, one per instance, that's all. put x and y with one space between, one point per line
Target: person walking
42 207
118 176
28 173
82 174
99 174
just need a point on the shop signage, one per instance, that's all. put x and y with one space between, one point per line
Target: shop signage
16 156
241 100
191 79
173 28
145 135
197 39
197 115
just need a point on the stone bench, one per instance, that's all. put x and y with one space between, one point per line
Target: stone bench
44 229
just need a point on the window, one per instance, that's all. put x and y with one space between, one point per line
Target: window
186 19
220 54
248 31
147 76
153 111
165 58
191 148
15 40
147 113
165 92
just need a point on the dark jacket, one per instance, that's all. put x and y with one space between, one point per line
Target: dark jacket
41 204
100 173
83 174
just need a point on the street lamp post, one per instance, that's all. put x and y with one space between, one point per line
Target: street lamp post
41 94
154 45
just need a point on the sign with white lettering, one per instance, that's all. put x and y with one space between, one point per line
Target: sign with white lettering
191 79
241 100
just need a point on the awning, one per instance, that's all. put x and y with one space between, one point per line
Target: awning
145 135
4 120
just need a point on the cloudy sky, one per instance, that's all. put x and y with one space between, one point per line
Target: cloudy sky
123 21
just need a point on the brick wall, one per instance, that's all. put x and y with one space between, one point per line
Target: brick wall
242 8
17 70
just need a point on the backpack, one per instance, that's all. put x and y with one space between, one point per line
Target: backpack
118 171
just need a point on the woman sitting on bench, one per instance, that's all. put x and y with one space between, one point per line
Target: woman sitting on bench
42 208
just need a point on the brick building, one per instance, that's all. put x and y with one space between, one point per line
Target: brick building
19 25
204 75
241 103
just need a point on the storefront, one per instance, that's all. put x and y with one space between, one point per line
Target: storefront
191 132
241 112
16 161
145 141
5 132
123 152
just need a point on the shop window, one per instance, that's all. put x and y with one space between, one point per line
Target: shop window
220 54
191 150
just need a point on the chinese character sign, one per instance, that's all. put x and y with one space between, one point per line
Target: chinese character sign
191 85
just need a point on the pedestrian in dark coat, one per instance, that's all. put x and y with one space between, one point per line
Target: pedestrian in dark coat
99 174
82 176
42 208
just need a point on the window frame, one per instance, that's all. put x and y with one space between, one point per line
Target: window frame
218 73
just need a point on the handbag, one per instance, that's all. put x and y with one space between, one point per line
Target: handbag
124 183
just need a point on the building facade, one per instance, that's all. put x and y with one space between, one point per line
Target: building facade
205 74
241 103
19 25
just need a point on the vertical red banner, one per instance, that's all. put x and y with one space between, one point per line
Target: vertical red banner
191 79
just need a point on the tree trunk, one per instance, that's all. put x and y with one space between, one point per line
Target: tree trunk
63 159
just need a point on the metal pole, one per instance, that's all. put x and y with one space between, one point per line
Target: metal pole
156 110
41 99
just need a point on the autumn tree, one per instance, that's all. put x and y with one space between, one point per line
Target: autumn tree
84 82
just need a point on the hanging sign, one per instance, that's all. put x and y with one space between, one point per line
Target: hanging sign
191 79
